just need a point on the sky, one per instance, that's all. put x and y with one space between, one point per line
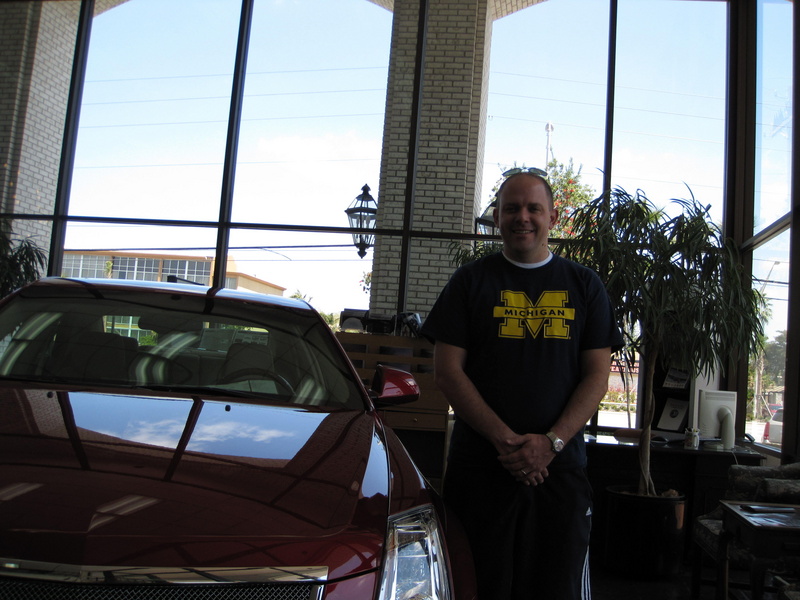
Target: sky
153 122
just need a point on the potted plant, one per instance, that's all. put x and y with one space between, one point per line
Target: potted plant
677 286
20 261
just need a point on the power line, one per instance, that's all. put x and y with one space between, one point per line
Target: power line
249 74
226 97
218 121
241 162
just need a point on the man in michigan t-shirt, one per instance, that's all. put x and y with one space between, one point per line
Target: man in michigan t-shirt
523 353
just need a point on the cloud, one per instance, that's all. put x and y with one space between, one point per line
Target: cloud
167 433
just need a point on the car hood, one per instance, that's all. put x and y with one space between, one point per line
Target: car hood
125 480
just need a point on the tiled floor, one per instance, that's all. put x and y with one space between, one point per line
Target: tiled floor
606 586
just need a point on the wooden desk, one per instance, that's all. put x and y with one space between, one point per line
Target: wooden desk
767 530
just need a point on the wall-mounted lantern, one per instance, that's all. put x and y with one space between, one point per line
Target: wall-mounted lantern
484 225
362 215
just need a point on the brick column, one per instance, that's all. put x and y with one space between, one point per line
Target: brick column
449 155
37 42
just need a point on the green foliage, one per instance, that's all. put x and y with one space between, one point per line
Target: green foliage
568 194
151 339
366 282
775 360
462 253
676 285
332 320
21 261
298 295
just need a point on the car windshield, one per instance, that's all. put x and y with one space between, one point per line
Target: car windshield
175 342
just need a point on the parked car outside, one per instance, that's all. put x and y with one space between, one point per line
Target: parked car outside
773 430
194 443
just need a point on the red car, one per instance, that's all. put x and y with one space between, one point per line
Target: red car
176 441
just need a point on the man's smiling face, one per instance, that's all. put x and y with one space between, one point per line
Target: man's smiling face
525 215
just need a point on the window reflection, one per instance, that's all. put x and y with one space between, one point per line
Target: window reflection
221 428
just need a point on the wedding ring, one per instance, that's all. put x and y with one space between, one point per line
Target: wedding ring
524 474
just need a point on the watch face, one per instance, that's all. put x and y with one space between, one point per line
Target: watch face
556 442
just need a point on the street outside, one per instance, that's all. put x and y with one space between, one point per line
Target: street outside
620 419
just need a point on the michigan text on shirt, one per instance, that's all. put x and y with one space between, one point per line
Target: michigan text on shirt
548 317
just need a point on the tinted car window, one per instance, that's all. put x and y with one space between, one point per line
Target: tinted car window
177 343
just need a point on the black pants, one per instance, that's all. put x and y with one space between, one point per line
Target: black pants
528 542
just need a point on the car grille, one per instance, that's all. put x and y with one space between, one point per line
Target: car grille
28 589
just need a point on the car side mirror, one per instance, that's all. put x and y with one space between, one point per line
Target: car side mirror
391 387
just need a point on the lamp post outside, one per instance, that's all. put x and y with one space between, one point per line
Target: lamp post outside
362 215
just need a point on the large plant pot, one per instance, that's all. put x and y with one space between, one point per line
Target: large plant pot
644 534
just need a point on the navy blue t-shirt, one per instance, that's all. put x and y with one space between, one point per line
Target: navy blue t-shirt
524 331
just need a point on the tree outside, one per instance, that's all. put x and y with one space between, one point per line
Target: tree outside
775 360
332 319
568 194
366 282
765 375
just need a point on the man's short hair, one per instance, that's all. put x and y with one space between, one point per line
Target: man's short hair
547 187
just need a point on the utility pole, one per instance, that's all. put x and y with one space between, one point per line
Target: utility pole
548 149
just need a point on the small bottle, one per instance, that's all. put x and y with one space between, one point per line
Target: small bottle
692 439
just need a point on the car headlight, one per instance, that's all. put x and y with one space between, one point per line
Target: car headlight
415 567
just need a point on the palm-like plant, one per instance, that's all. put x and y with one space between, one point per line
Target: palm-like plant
21 261
677 287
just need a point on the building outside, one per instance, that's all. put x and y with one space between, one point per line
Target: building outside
160 267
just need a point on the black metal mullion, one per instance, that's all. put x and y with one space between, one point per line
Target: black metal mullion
608 144
739 170
740 121
413 153
232 145
611 81
790 444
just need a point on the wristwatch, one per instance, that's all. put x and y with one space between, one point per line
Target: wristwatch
556 443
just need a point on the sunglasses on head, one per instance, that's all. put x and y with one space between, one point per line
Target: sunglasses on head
534 170
516 170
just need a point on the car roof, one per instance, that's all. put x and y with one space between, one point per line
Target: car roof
70 284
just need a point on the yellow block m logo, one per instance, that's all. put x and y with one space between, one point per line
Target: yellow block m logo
548 315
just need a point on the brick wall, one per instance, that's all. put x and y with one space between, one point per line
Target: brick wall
36 50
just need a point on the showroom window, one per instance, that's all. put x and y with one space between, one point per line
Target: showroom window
152 152
548 98
772 203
